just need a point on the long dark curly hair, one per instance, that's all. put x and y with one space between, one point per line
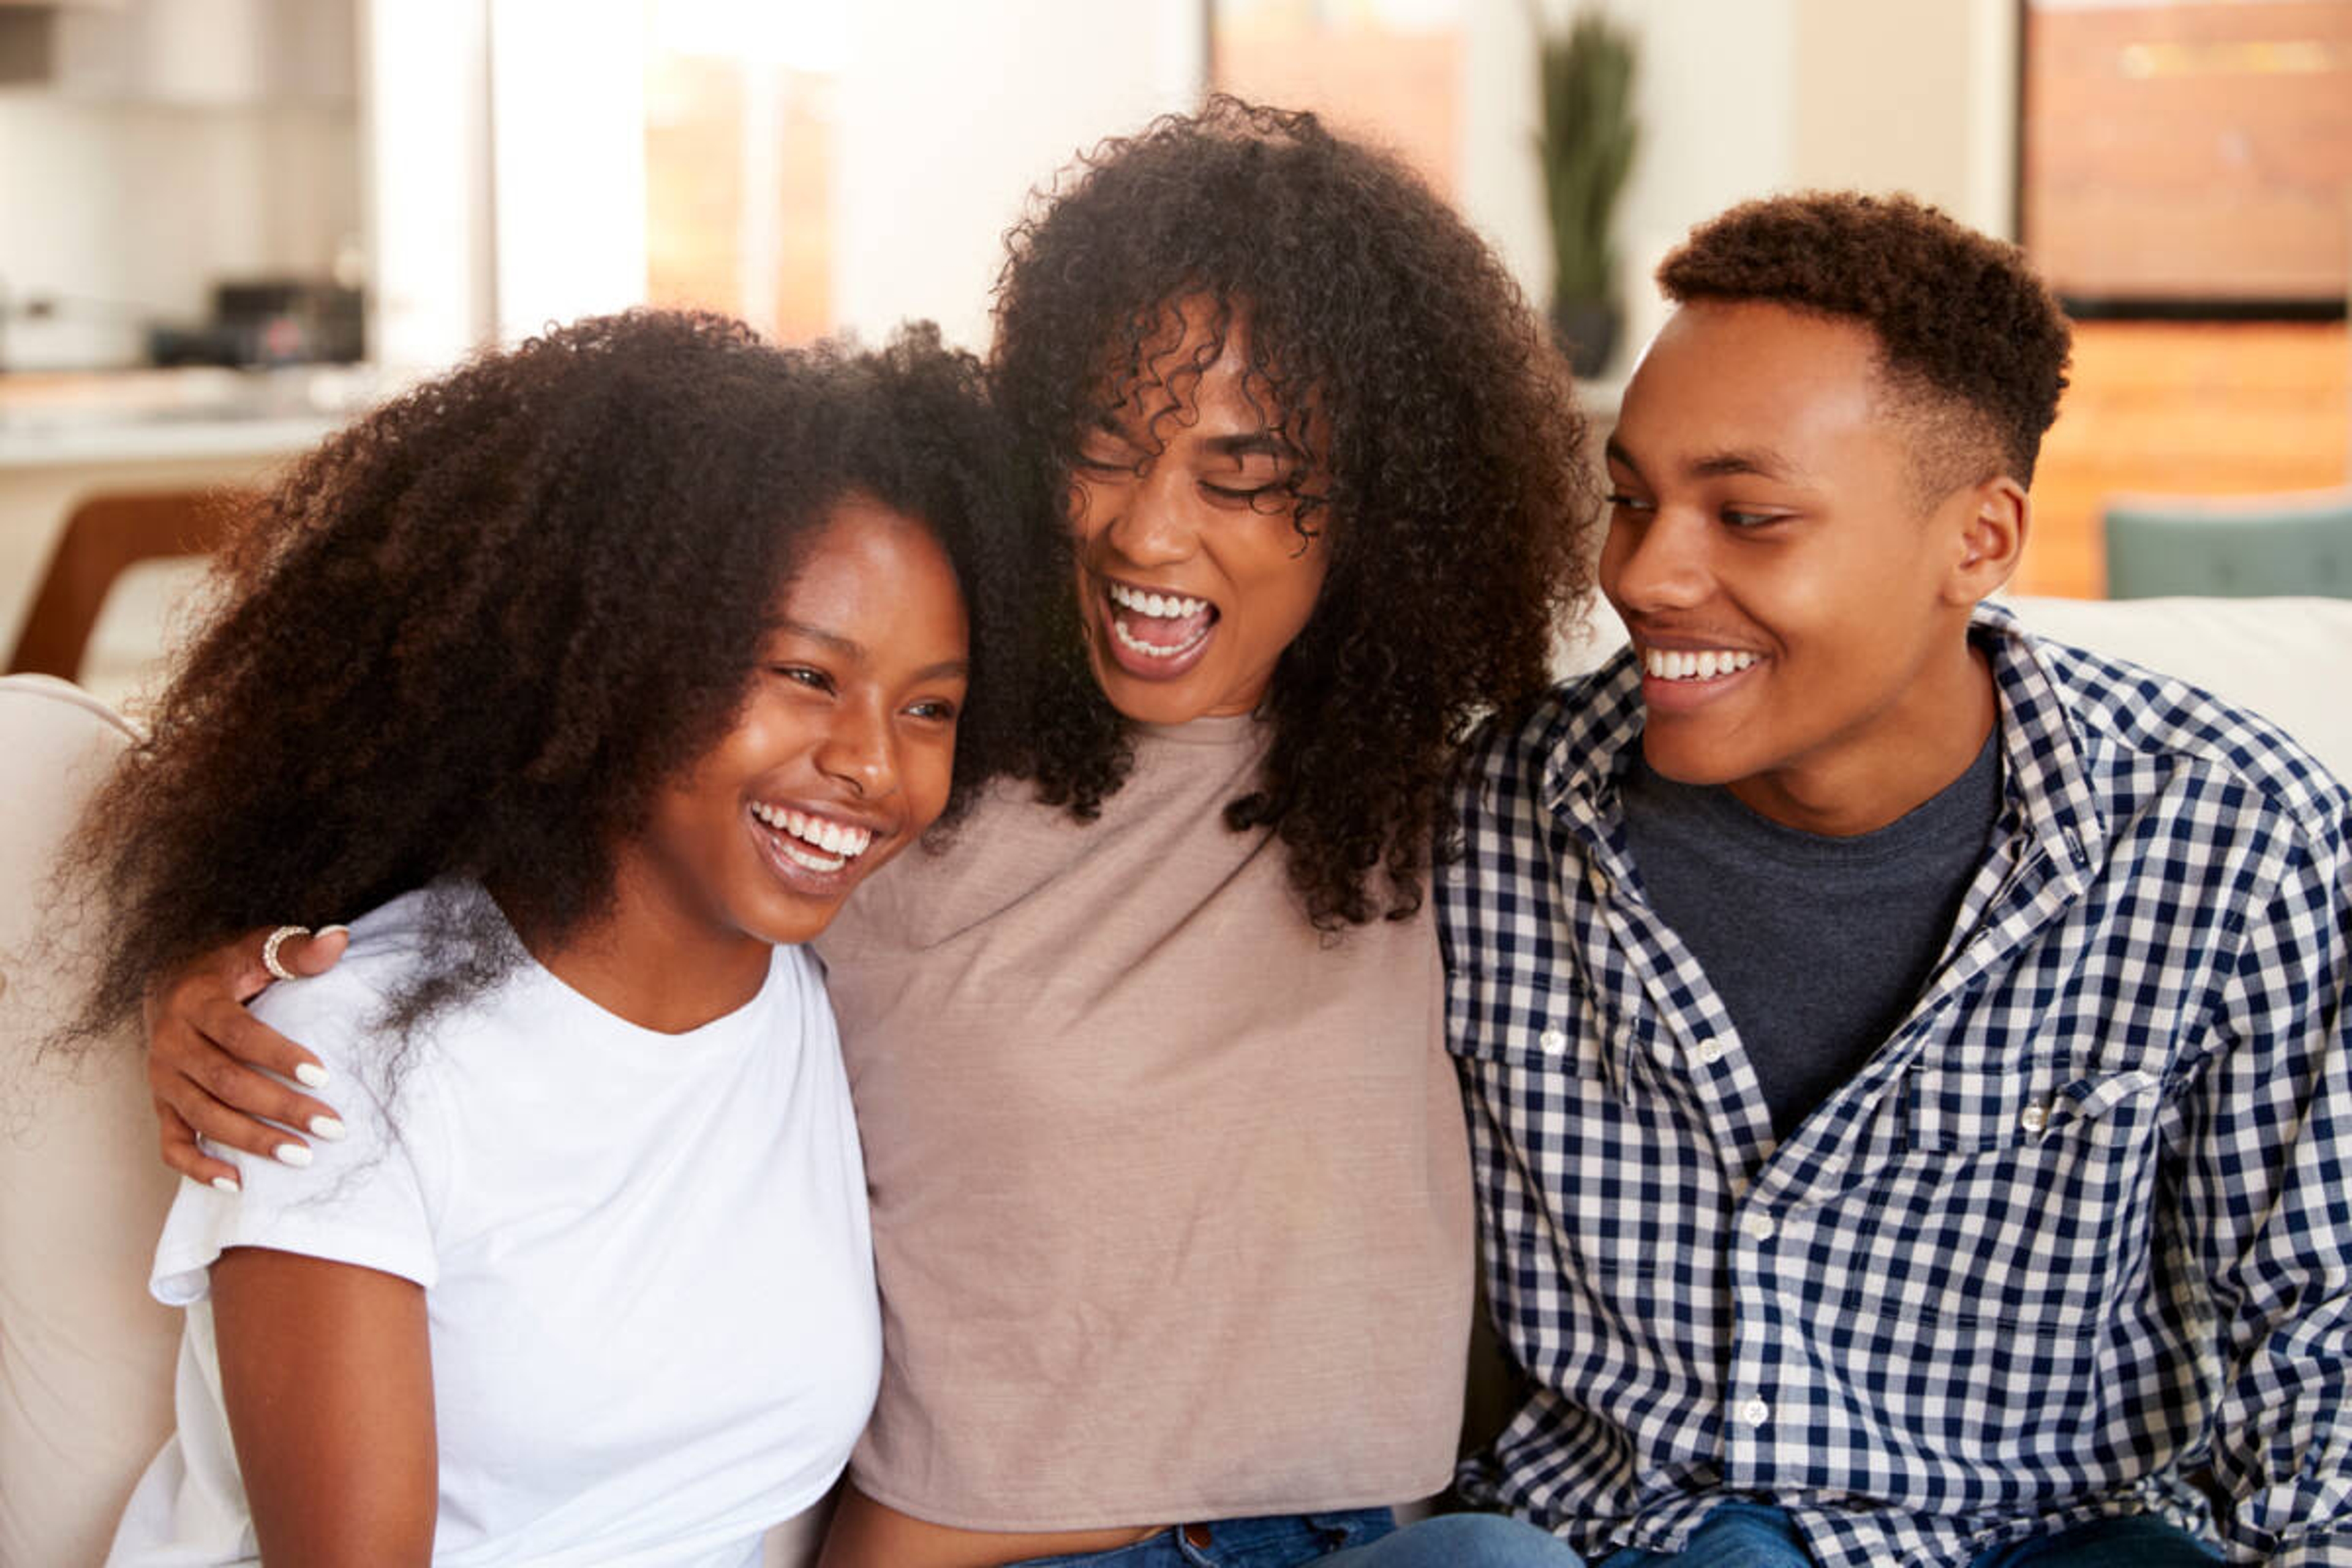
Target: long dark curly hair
469 637
1458 506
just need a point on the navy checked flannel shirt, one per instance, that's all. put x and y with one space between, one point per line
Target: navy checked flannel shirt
2082 1221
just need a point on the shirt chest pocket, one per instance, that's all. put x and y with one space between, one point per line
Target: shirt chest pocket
1957 1108
2021 1197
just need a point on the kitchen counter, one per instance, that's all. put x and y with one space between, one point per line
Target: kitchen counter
49 419
68 435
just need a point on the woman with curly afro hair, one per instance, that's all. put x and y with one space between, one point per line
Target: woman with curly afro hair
601 672
1169 1174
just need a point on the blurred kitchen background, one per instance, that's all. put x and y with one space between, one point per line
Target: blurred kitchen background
228 224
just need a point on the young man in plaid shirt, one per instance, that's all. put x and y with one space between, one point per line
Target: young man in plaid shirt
1906 1059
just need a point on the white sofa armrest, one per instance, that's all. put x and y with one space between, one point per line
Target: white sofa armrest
85 1355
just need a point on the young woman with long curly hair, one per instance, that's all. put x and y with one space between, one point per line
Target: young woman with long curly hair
599 672
1170 1177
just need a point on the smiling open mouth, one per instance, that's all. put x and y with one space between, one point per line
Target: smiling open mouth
811 841
1675 663
1158 625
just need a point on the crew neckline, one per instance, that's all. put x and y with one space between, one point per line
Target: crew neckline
1210 730
710 1033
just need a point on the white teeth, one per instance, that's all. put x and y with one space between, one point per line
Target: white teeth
841 842
1671 663
1169 606
1152 649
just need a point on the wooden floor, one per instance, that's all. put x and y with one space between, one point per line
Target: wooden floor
2184 409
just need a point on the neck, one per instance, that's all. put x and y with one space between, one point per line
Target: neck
649 965
1912 755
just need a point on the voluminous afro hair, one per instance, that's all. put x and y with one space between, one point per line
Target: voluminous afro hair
470 637
1443 456
1960 318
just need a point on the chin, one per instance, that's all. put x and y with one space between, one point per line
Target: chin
1700 766
1148 701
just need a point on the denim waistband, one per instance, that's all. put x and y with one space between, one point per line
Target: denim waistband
1276 1541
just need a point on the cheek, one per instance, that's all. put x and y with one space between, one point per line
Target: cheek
1085 505
1303 580
926 773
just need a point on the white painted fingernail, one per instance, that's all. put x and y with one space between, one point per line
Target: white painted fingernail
224 1184
311 1075
292 1154
327 1127
332 931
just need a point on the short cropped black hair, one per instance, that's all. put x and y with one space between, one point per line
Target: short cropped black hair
1962 321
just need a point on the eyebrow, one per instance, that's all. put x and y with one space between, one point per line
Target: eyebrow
1262 443
852 649
1760 461
1253 443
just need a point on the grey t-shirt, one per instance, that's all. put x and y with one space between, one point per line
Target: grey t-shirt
1817 945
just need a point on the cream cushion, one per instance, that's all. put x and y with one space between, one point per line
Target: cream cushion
85 1356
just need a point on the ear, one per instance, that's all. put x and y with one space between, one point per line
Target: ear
1992 537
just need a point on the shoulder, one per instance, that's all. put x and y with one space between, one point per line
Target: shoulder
1577 727
2144 732
340 1012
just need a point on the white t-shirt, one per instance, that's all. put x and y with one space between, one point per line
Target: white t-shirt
647 1271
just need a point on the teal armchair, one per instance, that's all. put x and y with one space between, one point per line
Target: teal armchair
2230 547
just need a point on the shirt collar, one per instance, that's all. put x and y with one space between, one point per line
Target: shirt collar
2045 780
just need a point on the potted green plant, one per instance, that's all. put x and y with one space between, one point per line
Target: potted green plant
1585 148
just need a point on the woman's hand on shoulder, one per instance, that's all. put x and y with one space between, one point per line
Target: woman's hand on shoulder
203 1048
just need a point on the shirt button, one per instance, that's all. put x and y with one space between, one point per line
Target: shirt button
1553 1042
2035 1119
1754 1412
1456 876
1757 1225
1710 1051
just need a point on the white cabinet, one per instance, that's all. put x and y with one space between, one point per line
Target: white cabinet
194 53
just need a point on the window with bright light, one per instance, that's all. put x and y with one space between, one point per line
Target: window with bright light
1389 71
739 146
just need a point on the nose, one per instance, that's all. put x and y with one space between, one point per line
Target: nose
1150 524
1656 562
859 749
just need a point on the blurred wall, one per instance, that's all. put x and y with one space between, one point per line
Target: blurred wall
1743 97
950 113
123 212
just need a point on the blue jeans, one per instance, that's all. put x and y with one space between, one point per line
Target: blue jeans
1282 1542
1752 1535
1462 1540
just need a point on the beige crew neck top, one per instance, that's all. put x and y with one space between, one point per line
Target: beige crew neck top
1170 1194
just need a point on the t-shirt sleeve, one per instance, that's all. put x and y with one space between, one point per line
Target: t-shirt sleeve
365 1198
